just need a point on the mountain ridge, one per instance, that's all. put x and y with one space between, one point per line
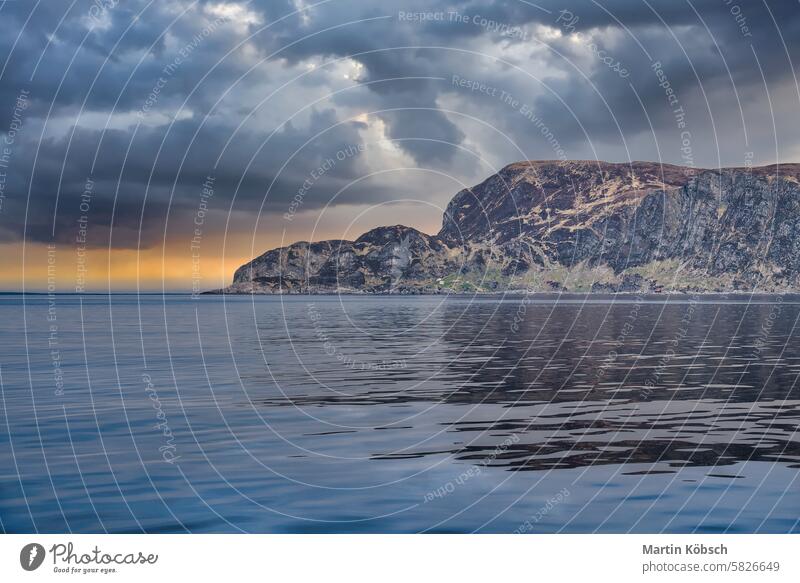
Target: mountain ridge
578 226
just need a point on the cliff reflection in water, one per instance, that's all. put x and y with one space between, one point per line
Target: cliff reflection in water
686 382
400 414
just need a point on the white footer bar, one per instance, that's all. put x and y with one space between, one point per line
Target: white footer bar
400 558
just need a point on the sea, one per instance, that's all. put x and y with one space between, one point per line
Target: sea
129 413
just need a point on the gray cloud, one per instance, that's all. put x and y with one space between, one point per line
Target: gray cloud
730 66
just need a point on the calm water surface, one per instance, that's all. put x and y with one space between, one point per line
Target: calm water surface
395 414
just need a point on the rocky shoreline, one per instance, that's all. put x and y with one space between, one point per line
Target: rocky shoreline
574 227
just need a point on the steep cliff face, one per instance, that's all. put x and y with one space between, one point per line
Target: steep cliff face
537 197
576 226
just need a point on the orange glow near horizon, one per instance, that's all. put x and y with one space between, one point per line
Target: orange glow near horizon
179 268
117 270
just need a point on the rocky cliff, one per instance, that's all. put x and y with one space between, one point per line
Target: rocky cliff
578 226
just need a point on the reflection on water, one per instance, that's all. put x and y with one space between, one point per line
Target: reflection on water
392 414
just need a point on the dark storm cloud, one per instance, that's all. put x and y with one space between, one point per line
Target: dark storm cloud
724 61
713 54
711 51
163 172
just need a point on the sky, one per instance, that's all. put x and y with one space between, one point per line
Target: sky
159 144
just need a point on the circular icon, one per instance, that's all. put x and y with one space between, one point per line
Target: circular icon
31 556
